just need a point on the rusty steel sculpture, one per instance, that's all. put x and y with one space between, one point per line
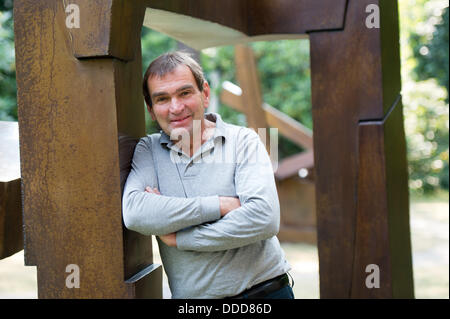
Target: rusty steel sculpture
81 113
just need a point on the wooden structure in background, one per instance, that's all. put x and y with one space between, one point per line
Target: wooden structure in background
78 93
11 237
297 195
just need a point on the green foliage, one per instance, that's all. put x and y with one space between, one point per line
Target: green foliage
432 54
154 44
426 126
284 74
6 5
424 53
219 63
285 77
8 108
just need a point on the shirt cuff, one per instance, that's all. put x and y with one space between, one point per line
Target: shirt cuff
185 240
210 208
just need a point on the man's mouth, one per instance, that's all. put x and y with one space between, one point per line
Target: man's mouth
180 120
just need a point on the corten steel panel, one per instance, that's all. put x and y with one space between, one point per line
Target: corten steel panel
258 17
69 135
382 234
11 236
294 16
106 28
231 13
397 194
348 85
131 126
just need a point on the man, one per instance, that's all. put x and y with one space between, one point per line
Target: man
215 219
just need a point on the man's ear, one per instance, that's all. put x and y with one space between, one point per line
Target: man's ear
150 110
206 94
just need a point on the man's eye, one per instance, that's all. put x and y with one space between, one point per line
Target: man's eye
185 93
161 99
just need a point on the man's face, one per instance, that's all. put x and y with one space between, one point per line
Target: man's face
177 101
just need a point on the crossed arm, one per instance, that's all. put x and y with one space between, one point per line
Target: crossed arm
210 223
226 204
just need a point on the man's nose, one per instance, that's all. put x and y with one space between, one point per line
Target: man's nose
176 106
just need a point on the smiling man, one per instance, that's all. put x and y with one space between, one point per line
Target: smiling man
177 101
216 221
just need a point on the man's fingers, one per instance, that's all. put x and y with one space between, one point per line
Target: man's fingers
154 190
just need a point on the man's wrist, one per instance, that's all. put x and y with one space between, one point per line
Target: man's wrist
227 204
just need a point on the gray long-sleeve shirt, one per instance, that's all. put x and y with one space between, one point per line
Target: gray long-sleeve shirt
215 257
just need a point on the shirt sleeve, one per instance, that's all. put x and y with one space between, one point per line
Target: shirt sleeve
152 214
257 219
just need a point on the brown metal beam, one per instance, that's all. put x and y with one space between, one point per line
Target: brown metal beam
258 17
106 28
349 85
72 115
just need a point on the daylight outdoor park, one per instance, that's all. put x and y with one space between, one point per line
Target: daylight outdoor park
284 71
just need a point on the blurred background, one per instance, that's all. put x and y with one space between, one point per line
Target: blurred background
284 71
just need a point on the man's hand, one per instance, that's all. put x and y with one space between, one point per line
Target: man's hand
148 189
227 204
169 239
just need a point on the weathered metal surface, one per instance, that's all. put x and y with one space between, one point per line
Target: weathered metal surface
106 28
131 126
298 210
348 86
258 17
228 12
71 113
293 16
11 235
382 234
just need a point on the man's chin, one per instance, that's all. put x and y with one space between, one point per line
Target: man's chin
178 133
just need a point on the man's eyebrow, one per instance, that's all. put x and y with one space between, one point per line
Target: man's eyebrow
184 87
156 94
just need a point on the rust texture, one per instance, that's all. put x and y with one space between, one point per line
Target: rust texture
355 78
74 108
258 17
71 115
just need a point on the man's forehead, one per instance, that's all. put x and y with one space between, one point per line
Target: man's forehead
181 73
